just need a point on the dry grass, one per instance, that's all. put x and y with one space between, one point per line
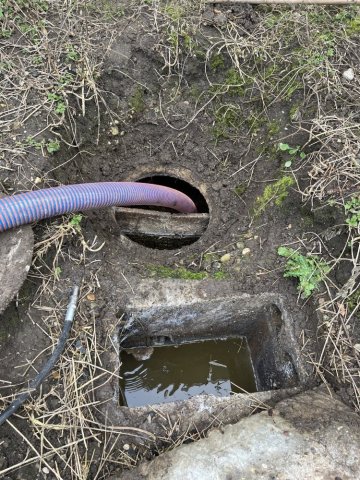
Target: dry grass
51 63
252 62
334 165
84 437
70 436
304 52
334 176
51 58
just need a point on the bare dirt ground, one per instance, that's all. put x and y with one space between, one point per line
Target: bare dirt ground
255 106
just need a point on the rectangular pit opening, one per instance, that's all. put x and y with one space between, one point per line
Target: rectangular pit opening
189 339
161 374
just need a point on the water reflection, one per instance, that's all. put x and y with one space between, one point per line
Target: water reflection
179 372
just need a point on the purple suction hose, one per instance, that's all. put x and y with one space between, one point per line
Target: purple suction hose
36 205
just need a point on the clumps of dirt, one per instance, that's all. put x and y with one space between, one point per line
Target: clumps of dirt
219 15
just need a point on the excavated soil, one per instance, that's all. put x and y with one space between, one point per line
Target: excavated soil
164 134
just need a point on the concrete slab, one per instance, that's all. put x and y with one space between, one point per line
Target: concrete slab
310 436
160 229
167 311
16 249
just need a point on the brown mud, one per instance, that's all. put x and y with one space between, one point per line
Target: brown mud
144 129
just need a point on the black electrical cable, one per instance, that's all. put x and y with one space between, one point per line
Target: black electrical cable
40 377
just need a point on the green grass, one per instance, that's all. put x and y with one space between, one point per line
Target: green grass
50 145
20 15
353 26
353 301
273 128
174 11
58 102
220 275
235 83
53 146
72 55
75 221
108 9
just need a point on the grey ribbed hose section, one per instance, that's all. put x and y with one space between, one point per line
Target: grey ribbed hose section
32 206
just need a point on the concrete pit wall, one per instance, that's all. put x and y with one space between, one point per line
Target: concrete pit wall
174 311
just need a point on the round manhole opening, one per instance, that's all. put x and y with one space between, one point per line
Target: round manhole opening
173 182
163 228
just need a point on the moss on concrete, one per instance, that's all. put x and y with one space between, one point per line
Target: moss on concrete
181 273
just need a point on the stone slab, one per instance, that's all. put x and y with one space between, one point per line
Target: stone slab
311 436
16 249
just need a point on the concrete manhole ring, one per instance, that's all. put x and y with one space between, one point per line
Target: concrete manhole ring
158 228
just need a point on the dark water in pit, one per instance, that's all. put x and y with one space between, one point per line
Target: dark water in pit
178 372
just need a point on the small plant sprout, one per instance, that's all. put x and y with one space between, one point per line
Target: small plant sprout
58 102
75 221
309 270
31 142
72 55
53 146
352 210
57 272
293 152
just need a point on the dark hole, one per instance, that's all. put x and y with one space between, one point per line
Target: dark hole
181 186
168 240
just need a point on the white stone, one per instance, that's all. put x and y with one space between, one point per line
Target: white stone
225 258
349 74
